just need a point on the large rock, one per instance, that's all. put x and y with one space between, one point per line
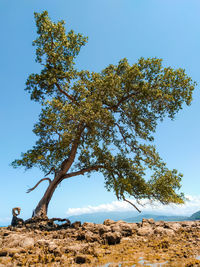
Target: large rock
164 231
122 227
91 237
27 242
89 226
173 225
112 238
76 225
145 231
103 229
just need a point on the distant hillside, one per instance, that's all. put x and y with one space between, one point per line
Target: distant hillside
100 217
156 218
127 216
195 216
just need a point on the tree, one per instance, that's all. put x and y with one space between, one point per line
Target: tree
101 122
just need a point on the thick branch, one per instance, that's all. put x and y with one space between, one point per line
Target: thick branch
66 164
31 189
83 171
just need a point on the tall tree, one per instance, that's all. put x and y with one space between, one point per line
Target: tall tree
101 122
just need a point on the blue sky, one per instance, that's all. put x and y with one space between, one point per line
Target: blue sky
116 29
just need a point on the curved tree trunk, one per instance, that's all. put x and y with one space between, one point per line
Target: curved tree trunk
42 207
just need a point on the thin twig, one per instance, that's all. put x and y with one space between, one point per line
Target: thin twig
132 204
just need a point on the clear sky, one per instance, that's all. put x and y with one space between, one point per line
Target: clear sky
116 29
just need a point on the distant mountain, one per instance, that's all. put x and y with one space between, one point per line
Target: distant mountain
156 218
127 216
100 217
195 216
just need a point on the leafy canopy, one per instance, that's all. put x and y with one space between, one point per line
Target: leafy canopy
113 115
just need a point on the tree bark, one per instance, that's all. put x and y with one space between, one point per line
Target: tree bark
42 207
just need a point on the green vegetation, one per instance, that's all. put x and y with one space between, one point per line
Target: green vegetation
101 121
195 216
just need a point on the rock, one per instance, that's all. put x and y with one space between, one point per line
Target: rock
189 224
145 231
103 229
172 225
108 222
76 225
125 239
134 226
159 223
91 237
116 228
52 246
88 226
42 242
164 231
17 221
126 229
82 259
146 222
77 248
112 238
27 242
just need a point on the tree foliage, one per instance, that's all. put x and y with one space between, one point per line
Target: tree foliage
111 116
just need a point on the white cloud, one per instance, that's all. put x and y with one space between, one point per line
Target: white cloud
191 205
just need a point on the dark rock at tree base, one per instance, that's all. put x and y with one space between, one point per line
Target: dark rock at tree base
47 224
17 221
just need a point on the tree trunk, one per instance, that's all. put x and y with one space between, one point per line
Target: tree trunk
42 207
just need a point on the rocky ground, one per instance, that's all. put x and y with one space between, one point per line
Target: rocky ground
108 244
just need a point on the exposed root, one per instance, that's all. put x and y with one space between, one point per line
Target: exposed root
16 211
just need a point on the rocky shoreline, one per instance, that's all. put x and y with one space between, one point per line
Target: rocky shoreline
46 243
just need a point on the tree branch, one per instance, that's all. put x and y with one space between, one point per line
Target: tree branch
83 171
52 169
65 93
120 130
31 189
66 164
131 204
123 99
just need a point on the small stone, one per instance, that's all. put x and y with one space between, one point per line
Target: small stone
76 224
146 222
108 222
